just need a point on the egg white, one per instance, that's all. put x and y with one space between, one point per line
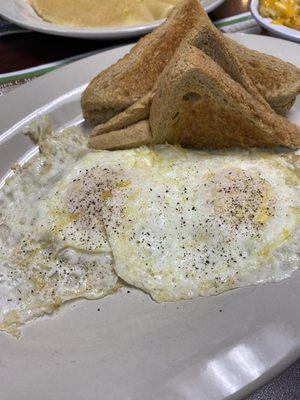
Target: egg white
175 223
74 207
199 223
38 272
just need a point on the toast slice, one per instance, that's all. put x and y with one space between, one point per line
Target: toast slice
197 104
214 44
139 111
276 80
207 38
132 77
134 135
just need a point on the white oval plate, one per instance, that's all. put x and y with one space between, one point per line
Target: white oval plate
278 30
21 13
133 348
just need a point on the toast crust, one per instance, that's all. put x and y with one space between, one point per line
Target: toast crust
137 112
135 135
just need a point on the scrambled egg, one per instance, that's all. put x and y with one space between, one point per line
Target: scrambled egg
282 12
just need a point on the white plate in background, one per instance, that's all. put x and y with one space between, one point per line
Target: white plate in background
134 348
278 30
21 13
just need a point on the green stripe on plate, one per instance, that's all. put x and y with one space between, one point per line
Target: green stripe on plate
40 70
32 74
233 21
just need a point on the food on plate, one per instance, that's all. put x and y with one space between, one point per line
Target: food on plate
134 76
202 99
39 267
176 223
198 105
187 223
282 12
122 84
104 13
276 80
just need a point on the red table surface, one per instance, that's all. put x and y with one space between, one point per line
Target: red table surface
31 49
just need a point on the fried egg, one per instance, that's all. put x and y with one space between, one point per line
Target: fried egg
74 205
175 223
38 270
193 223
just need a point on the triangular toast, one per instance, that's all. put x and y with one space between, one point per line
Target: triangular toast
199 104
212 42
276 80
132 77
